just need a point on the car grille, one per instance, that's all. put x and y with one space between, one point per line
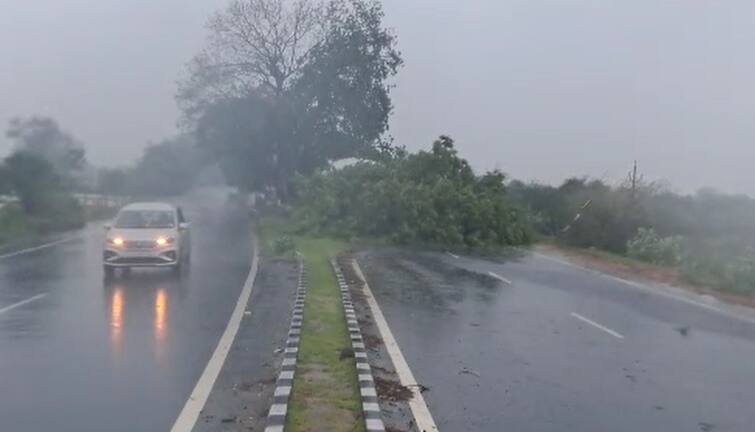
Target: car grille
140 260
139 244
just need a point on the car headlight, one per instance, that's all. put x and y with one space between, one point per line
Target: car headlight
162 241
115 241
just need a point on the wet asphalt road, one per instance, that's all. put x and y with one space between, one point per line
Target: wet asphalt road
521 357
122 355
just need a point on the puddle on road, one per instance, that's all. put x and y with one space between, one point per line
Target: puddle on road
426 282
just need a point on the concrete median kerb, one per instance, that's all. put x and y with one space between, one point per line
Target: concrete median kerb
370 407
276 417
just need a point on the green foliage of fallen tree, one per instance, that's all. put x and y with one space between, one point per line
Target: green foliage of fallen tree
429 198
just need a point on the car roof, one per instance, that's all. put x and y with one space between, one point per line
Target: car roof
149 206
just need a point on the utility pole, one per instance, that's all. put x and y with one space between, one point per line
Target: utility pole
633 176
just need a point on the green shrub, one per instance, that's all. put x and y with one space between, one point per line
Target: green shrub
647 246
13 224
720 264
283 245
430 198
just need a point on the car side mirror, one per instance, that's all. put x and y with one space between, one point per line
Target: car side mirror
183 226
107 226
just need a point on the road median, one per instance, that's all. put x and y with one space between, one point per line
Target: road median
325 392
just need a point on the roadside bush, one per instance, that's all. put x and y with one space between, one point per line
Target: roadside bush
647 246
61 212
13 224
430 198
719 264
283 245
43 202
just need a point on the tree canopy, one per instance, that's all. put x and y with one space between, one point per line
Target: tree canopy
44 137
283 87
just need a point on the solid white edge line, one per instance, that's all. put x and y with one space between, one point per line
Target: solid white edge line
194 405
452 255
40 247
499 277
422 417
21 303
596 325
646 288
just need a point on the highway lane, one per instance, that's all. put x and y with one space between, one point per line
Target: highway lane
560 349
123 355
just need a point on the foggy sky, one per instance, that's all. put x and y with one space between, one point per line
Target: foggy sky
540 89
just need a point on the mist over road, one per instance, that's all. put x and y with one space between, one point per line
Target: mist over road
121 355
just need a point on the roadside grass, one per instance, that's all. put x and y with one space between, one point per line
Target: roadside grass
18 229
14 228
276 239
325 393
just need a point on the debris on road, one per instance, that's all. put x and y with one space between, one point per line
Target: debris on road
392 390
468 371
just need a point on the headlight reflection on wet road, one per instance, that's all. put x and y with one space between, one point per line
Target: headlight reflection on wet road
157 313
116 319
161 310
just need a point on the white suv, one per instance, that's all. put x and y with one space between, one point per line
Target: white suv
147 235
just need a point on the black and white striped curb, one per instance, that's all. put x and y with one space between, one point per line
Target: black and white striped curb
276 417
370 406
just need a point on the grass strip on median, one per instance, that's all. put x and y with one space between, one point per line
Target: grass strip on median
325 392
370 404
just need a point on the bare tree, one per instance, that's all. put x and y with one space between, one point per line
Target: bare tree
253 45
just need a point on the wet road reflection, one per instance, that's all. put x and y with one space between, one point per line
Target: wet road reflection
139 298
161 306
74 359
501 356
116 320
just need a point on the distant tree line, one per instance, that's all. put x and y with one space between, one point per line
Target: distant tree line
168 168
44 166
709 236
47 165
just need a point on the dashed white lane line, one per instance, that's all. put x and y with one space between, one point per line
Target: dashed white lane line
647 289
190 412
499 277
452 255
21 303
40 247
422 417
598 326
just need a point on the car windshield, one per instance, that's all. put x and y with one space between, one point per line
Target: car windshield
145 219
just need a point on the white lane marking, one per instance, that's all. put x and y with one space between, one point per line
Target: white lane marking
452 255
596 325
21 303
422 417
499 277
190 412
645 288
40 247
